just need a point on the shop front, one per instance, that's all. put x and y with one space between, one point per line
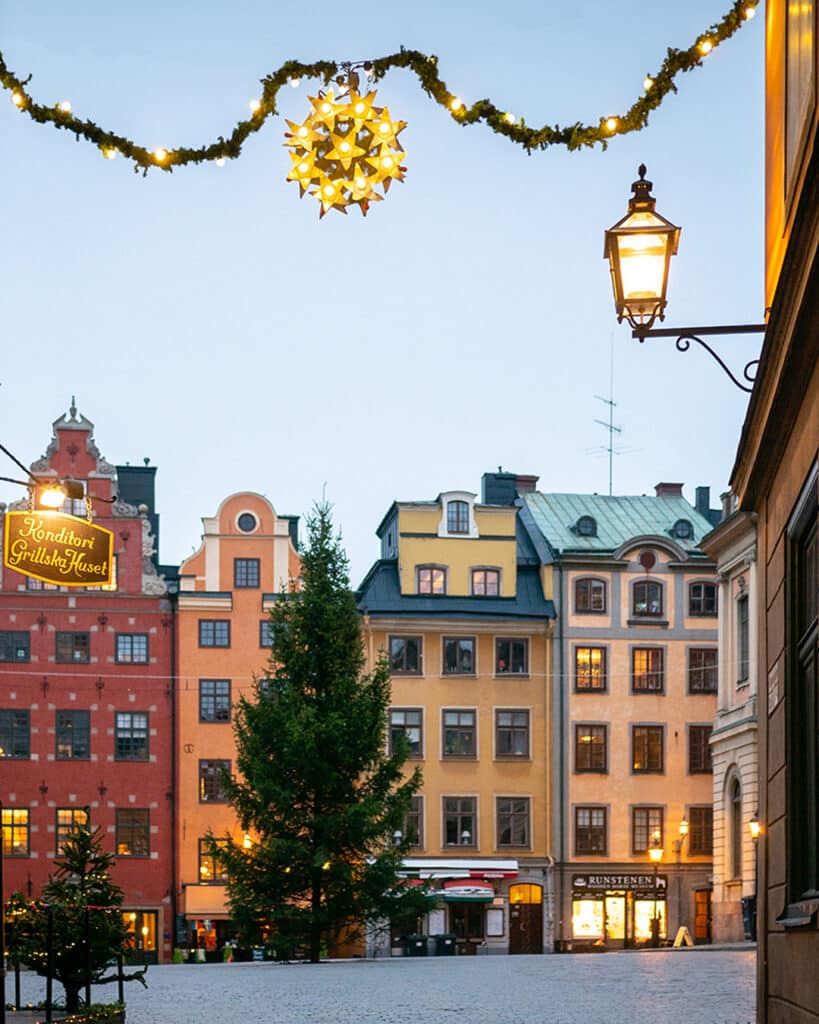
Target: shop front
141 936
618 910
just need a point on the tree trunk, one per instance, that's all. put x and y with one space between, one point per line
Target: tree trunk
72 997
315 919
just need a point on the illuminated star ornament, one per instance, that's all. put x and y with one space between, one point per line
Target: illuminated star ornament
345 148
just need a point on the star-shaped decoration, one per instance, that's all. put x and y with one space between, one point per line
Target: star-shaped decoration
303 170
302 135
345 149
330 193
385 130
325 110
362 109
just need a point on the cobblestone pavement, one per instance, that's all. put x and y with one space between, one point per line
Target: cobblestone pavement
665 987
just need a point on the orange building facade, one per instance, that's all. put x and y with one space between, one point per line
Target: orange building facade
226 589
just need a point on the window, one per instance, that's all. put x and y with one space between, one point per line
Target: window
133 833
735 828
414 823
409 723
246 522
587 526
73 647
265 633
485 582
699 749
590 668
15 734
590 832
743 655
682 530
512 733
647 598
132 648
214 700
211 784
16 841
131 740
245 573
590 748
460 821
211 869
646 823
14 646
703 666
32 584
459 655
647 748
214 633
73 735
702 599
511 657
700 831
457 517
513 821
460 733
405 655
589 596
647 674
430 580
68 819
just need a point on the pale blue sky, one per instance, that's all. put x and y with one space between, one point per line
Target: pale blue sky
208 320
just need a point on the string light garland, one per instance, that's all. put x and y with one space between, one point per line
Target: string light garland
656 87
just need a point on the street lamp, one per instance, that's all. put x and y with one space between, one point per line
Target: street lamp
639 249
655 853
755 828
678 845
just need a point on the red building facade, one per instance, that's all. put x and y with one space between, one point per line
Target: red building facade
86 702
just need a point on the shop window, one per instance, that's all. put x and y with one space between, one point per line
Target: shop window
14 645
16 832
647 599
699 749
131 739
67 820
430 579
645 910
460 821
459 655
590 748
405 655
140 935
588 917
511 657
646 824
589 596
590 830
72 647
485 582
15 734
590 668
133 833
647 754
245 573
73 734
132 648
214 633
513 821
460 733
211 869
467 920
511 733
647 670
214 700
700 833
457 517
702 599
211 781
414 823
703 669
409 724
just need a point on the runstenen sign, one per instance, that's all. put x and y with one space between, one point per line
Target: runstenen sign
57 548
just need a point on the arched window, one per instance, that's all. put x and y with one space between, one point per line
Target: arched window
457 517
587 526
682 530
735 817
589 595
647 598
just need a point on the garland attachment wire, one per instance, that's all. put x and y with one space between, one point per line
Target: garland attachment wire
655 88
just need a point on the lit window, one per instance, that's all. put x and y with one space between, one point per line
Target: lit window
211 869
646 823
133 833
590 748
647 671
431 580
69 819
590 668
16 826
647 748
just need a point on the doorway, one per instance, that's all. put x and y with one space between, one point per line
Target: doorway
525 919
702 916
140 941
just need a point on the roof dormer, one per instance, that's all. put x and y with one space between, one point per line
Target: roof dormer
457 514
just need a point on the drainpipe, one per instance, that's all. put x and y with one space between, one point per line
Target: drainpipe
561 732
174 788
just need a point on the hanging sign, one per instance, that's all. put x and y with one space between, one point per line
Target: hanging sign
58 548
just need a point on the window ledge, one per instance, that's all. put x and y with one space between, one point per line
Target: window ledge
802 914
647 621
511 675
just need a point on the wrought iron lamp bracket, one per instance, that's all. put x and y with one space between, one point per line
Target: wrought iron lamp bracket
685 335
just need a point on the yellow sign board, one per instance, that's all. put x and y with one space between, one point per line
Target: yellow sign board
58 548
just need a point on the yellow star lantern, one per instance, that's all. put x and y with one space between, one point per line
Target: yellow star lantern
344 148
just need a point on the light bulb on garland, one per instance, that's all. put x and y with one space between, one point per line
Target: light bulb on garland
344 148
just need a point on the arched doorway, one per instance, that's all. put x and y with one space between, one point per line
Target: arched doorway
525 918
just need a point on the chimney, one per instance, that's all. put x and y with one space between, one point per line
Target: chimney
498 488
666 490
702 501
526 484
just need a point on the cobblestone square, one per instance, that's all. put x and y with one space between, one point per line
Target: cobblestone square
664 987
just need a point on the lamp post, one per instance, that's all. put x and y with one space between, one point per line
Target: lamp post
755 828
639 248
655 853
678 845
2 927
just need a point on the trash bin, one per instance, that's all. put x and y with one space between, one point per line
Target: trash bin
749 917
445 945
415 945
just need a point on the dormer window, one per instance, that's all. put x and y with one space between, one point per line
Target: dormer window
682 530
457 517
587 526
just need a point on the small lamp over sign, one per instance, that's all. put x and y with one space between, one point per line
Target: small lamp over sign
639 248
684 828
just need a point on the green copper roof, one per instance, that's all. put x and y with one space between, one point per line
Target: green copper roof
617 520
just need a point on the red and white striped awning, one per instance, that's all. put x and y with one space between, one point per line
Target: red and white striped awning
472 890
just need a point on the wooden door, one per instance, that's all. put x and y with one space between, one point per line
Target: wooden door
525 919
702 916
